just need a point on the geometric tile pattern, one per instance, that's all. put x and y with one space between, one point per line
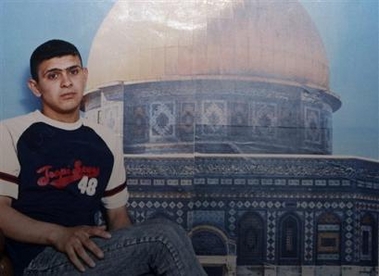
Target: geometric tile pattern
222 211
137 123
211 217
349 235
187 120
219 209
241 116
357 233
162 119
271 235
308 236
140 209
214 117
231 219
265 118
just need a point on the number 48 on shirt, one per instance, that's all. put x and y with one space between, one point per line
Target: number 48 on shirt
88 185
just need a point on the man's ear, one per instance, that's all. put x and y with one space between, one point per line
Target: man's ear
33 86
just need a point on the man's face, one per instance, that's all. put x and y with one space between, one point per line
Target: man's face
61 83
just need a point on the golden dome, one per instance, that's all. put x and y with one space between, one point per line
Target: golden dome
142 41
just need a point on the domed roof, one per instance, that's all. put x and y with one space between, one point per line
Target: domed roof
142 41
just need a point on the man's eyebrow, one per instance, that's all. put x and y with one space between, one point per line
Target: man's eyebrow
60 70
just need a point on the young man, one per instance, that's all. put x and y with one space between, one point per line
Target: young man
57 171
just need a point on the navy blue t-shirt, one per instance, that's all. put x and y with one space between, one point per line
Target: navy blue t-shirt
63 177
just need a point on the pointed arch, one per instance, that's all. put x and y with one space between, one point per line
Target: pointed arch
328 239
209 240
251 240
289 239
369 239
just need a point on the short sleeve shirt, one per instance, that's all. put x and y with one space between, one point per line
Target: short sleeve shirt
58 172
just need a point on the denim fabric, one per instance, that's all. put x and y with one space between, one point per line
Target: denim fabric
155 247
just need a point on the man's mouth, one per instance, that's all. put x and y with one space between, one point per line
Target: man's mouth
69 95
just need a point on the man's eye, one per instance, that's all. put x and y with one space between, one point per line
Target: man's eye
52 76
74 71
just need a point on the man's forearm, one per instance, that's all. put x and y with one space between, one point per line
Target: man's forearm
118 218
24 229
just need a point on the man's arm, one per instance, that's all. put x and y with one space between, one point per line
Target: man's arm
74 241
118 218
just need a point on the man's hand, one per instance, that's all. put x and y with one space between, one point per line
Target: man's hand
76 243
73 241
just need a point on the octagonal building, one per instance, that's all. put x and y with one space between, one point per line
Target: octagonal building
226 113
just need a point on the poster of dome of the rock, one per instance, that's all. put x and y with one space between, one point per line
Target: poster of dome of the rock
252 124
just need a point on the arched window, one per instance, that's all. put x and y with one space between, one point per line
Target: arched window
207 242
289 237
328 239
250 247
212 246
369 241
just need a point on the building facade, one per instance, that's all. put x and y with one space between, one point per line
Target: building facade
225 111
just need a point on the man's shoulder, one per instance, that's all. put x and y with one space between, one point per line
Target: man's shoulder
24 119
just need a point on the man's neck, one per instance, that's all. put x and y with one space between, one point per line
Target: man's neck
71 117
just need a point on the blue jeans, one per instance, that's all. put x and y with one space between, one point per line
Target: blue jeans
155 247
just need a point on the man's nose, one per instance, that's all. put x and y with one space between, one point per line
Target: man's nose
66 80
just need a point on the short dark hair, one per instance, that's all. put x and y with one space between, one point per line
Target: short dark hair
50 49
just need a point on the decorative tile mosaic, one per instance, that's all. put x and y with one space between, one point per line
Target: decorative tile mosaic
162 120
